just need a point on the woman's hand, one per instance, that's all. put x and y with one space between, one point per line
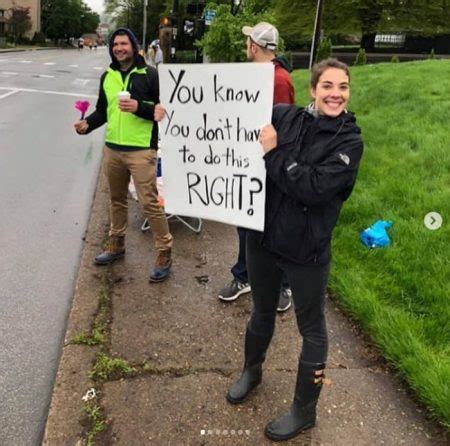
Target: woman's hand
268 138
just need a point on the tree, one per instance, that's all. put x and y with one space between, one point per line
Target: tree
129 13
62 19
369 14
420 17
224 41
295 19
19 21
324 50
361 58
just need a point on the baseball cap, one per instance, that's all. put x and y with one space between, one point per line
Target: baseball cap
263 34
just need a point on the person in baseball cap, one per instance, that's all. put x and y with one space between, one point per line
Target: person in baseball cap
263 34
261 44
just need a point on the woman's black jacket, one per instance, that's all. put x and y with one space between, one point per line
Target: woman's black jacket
310 174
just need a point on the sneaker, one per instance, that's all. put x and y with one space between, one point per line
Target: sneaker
234 290
284 302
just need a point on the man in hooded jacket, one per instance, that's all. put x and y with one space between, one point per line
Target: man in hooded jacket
129 103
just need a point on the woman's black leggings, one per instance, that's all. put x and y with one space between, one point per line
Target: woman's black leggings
308 285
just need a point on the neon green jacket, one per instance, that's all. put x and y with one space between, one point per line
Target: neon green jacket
128 131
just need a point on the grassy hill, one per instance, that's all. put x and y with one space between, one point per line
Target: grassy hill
400 294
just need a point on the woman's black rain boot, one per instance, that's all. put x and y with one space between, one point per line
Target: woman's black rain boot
302 414
251 376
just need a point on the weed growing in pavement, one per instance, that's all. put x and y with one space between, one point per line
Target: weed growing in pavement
98 335
110 368
147 367
105 242
104 367
97 422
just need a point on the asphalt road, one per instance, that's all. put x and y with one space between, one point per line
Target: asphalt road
47 181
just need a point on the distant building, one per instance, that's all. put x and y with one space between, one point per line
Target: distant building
35 14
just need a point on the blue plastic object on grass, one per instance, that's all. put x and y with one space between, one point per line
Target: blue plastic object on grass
376 236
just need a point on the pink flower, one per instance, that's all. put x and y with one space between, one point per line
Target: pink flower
82 106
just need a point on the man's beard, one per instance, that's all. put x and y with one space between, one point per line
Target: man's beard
126 61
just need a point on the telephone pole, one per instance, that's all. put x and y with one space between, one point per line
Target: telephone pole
316 32
144 27
174 24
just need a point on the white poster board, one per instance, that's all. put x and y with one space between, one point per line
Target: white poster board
212 162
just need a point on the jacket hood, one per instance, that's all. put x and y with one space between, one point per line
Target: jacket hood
282 61
139 60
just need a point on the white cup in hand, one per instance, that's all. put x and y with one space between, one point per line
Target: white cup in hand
124 95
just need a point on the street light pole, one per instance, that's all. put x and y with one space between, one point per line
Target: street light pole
144 27
174 24
316 32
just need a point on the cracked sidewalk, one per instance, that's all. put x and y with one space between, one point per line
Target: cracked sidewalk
187 347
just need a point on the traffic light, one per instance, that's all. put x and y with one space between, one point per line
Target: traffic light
165 21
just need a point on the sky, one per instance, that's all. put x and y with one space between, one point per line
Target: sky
95 5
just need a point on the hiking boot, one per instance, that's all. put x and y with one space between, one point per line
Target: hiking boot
162 266
284 302
234 290
115 250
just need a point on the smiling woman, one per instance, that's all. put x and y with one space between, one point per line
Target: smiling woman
312 157
330 89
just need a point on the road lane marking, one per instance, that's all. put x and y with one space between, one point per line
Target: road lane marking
47 76
25 61
10 93
82 82
49 63
8 73
97 68
73 66
60 93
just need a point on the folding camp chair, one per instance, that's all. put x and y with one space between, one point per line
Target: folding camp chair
196 227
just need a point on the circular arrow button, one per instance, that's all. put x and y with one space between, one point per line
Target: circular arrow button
433 221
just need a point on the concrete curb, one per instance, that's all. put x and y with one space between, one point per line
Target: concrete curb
20 50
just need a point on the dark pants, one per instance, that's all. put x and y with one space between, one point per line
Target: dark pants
308 285
239 270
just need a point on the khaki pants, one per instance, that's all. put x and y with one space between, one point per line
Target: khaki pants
141 165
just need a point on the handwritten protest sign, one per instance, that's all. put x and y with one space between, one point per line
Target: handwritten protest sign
213 165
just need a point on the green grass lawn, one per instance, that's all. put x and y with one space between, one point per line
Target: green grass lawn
400 294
